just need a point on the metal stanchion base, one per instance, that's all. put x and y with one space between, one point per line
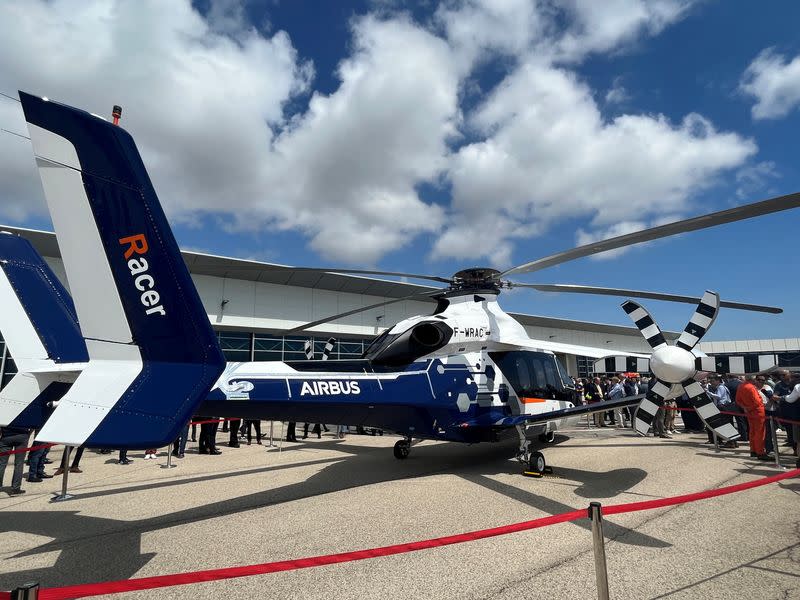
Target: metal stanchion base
169 464
62 497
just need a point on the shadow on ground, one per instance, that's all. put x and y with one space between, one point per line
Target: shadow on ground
95 549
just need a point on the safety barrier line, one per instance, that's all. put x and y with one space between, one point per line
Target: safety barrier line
159 581
40 446
31 449
731 413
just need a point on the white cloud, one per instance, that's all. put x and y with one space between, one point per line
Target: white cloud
201 103
604 26
755 179
617 94
208 101
204 99
548 155
774 82
477 29
356 156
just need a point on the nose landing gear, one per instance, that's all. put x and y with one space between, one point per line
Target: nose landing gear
533 463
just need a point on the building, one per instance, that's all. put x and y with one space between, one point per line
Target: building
252 306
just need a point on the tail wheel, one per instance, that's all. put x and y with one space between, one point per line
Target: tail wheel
548 438
402 449
537 462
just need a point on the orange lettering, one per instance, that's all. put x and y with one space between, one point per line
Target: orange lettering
136 243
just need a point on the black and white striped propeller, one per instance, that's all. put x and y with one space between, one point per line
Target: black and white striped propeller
308 348
675 367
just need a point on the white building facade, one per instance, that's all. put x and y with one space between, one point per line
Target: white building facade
252 305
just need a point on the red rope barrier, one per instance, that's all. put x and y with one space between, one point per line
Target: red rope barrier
214 421
21 450
40 446
159 581
731 413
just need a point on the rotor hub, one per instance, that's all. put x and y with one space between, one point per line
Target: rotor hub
477 278
672 364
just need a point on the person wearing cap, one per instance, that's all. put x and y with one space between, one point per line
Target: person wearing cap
748 398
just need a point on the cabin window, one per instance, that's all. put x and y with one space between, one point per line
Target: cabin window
531 374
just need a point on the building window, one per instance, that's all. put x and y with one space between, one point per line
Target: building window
585 366
268 348
294 349
235 345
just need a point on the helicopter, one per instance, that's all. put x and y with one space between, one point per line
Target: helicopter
129 356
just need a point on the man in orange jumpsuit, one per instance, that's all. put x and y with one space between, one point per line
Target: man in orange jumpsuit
749 399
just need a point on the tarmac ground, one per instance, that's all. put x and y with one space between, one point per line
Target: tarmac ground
256 504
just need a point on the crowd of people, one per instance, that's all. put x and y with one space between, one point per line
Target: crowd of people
749 402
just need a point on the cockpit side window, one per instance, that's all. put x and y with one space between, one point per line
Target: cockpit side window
531 374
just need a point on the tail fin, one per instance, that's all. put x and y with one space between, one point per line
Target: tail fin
39 325
152 353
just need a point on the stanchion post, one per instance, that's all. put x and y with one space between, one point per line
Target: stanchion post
64 477
775 447
598 541
169 464
716 440
27 591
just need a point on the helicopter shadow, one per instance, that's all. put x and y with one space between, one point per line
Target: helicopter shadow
83 541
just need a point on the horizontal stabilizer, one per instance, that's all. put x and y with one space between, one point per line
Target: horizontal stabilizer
38 319
39 324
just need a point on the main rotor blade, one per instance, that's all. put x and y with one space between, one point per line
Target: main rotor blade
730 215
602 291
417 296
321 271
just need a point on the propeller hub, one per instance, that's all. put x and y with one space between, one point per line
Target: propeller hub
672 364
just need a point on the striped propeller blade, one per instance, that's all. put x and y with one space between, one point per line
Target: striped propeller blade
622 364
648 407
308 348
708 411
329 345
741 365
702 319
642 319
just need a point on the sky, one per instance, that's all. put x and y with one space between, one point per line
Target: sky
432 136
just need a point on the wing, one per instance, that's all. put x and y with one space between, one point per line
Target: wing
583 409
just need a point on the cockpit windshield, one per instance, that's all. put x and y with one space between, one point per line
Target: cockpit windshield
531 374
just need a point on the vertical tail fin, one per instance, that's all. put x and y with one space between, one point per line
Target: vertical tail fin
152 353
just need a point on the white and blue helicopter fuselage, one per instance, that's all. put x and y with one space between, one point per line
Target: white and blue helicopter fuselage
461 374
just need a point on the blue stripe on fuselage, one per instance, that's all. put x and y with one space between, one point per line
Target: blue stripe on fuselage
407 401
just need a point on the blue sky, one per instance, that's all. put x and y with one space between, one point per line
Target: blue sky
452 135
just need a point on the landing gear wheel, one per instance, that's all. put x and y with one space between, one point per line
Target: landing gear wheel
548 438
537 463
402 449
